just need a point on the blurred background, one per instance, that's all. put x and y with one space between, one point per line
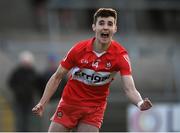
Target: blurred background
38 33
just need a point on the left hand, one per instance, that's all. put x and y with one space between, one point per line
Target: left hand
145 105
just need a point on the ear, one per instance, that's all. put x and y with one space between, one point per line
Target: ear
93 27
115 29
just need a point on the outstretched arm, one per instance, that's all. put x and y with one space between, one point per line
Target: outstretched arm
133 94
50 89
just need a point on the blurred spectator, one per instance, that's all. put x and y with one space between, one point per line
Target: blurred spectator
52 64
23 83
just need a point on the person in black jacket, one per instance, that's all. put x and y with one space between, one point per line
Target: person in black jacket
23 84
52 64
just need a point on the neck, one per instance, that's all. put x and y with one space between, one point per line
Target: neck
99 47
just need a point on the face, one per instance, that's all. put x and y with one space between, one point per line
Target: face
104 29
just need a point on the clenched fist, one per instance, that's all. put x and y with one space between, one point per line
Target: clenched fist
145 104
38 109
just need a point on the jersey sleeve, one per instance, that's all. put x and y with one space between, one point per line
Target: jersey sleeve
124 64
69 60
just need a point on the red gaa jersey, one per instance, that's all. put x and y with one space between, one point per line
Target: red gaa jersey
92 73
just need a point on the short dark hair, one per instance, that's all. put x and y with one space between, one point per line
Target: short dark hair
105 12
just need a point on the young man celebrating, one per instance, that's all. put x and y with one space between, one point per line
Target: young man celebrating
93 64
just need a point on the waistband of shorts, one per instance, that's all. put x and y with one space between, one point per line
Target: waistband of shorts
62 101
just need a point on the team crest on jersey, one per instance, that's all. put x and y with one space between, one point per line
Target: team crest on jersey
108 65
59 114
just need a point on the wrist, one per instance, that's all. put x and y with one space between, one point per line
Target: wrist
140 103
41 104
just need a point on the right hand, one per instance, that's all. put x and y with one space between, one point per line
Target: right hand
38 109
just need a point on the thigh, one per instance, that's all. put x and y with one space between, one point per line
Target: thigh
57 127
94 116
67 115
83 127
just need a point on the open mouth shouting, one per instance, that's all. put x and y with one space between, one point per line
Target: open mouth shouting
105 35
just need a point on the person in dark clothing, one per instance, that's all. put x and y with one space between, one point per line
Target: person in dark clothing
23 84
52 64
